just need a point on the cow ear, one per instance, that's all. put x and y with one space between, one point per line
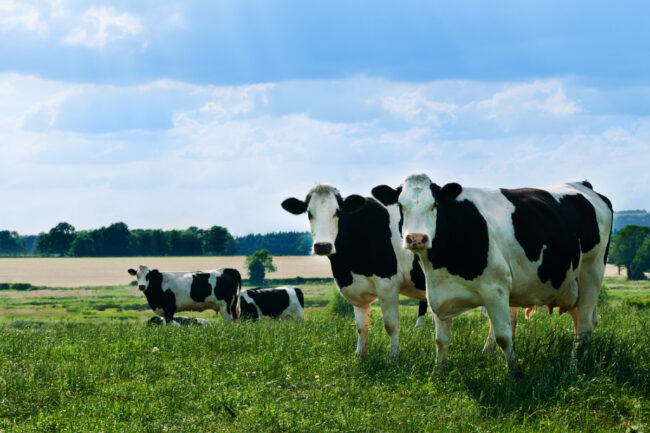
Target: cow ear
294 206
132 272
352 203
449 192
386 194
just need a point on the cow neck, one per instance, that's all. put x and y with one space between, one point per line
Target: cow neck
460 243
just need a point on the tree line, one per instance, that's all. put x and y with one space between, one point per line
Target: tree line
118 240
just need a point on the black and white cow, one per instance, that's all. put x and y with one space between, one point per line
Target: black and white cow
506 247
170 292
361 238
277 303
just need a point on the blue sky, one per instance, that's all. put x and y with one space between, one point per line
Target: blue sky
166 115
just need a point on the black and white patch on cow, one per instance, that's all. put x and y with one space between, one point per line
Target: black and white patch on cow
276 303
171 292
502 248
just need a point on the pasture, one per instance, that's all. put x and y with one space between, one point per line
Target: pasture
82 359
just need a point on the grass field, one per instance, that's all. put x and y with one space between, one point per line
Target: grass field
82 359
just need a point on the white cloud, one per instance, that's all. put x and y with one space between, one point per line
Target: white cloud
100 26
229 154
20 15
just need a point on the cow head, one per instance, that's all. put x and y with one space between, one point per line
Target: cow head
323 206
143 275
418 199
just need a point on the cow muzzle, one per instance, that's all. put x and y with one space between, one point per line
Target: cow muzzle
417 241
141 287
323 248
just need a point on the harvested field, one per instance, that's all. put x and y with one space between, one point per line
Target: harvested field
83 272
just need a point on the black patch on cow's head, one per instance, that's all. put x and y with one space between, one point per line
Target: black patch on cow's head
386 194
363 244
587 184
446 193
563 229
352 203
294 206
132 272
461 241
200 288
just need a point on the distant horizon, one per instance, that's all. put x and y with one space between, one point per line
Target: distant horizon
235 235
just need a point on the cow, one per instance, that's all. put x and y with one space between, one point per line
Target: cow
181 321
506 247
170 292
361 239
277 303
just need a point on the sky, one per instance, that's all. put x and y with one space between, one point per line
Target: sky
168 114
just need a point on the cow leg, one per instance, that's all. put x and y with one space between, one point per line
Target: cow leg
499 312
362 318
488 347
422 312
590 281
390 313
443 336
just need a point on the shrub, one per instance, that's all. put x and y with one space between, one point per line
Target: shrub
339 306
258 264
638 302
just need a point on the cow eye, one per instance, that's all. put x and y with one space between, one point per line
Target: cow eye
433 206
309 215
336 213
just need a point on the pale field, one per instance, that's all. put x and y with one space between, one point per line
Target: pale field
112 271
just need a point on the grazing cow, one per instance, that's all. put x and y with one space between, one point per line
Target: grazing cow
182 321
170 292
506 247
277 303
361 239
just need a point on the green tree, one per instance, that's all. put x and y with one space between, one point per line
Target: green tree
258 264
83 245
641 262
11 243
116 240
217 241
57 240
625 246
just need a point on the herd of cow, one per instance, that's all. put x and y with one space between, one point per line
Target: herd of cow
451 247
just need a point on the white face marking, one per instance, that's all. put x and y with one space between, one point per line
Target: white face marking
323 218
141 276
418 208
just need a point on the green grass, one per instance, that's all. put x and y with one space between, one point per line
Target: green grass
98 370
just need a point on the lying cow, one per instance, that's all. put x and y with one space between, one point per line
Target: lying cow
361 239
277 303
506 247
170 292
181 321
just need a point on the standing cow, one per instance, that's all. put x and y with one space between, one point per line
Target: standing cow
506 247
361 238
170 292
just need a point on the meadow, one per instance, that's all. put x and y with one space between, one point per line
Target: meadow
82 359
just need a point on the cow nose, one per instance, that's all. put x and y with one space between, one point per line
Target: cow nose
141 287
417 241
322 248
